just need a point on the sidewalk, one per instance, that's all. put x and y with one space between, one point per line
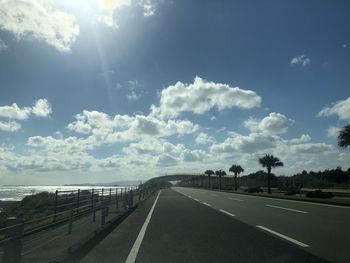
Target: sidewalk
53 245
117 245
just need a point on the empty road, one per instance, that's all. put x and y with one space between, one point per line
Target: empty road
193 225
323 230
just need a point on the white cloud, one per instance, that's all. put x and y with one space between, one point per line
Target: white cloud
104 11
15 112
221 130
236 142
10 126
56 22
44 162
147 146
41 108
133 88
3 45
110 162
127 128
256 143
333 131
193 155
202 96
163 153
107 20
148 6
38 19
69 145
204 138
303 138
311 148
275 123
167 160
132 96
340 108
301 60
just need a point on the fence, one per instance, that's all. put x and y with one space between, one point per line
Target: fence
68 206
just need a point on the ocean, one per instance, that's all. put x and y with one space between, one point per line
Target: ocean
18 192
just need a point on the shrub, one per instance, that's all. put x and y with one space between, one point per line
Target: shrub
255 189
319 194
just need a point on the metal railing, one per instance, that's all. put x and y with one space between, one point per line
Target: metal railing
68 206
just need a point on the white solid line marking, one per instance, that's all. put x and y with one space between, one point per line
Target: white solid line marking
289 209
236 199
204 203
297 201
225 212
195 199
293 201
135 248
283 236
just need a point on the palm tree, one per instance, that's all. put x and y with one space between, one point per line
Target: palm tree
209 173
220 173
236 169
344 137
269 161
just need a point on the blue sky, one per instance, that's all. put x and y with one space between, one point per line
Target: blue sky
105 90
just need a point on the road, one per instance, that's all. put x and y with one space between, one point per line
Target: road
193 225
320 229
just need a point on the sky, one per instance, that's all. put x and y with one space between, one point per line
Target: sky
112 90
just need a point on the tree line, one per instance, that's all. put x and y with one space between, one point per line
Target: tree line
326 178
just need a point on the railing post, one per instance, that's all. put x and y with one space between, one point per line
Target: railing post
131 198
93 210
103 214
78 199
116 198
55 209
125 201
92 197
110 195
70 223
102 195
13 247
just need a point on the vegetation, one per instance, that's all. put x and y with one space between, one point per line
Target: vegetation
38 205
289 185
269 161
327 178
209 173
236 169
220 173
344 137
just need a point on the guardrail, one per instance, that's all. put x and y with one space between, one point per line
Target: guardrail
67 208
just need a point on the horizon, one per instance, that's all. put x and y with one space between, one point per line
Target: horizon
103 91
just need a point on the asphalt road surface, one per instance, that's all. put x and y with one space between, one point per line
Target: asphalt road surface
193 225
323 230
